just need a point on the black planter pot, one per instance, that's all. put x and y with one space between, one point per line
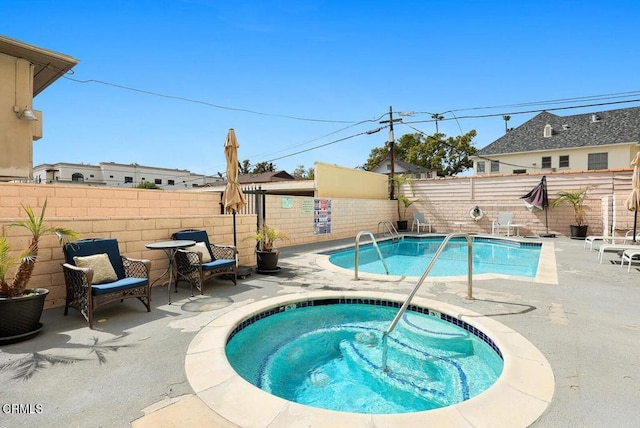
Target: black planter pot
20 316
402 224
267 261
578 232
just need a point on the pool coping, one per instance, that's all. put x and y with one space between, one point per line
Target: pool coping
519 397
547 267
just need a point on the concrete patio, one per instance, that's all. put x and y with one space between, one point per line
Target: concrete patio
130 370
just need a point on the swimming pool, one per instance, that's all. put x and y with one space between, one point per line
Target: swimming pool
411 255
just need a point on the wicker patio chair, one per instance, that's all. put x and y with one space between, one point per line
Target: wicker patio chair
96 274
195 265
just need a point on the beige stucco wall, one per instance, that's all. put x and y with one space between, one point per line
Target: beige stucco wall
16 135
620 156
342 182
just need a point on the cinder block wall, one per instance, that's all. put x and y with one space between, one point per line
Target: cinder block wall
134 217
138 216
348 217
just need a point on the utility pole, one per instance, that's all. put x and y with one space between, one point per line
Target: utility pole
437 117
391 141
506 122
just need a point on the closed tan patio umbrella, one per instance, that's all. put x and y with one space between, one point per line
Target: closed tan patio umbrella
633 201
233 197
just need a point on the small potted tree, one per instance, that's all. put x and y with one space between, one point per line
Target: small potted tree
403 204
403 201
266 254
21 307
576 199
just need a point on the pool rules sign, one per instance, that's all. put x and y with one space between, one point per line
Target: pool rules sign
321 216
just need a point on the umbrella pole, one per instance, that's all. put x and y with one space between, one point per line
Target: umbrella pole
635 223
546 218
235 244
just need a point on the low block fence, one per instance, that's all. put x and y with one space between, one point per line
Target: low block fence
136 217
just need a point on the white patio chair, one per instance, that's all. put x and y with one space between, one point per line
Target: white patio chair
503 221
419 220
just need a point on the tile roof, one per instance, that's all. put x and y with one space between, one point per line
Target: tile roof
621 126
265 177
409 167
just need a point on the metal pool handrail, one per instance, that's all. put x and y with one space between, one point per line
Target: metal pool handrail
375 244
428 269
390 228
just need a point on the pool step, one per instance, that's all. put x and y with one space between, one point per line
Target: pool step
410 377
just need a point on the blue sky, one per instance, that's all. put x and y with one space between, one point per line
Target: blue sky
291 75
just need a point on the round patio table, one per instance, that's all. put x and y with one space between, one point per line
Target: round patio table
170 247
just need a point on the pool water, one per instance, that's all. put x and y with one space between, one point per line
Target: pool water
330 356
411 256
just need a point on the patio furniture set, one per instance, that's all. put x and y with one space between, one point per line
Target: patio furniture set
97 274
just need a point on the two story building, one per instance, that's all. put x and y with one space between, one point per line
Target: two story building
25 71
547 143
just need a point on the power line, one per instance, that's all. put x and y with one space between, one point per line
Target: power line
190 100
481 116
326 144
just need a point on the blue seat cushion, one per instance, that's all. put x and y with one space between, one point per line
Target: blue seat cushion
119 285
218 264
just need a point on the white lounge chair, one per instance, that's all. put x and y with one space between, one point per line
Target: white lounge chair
630 255
615 247
420 221
503 221
607 239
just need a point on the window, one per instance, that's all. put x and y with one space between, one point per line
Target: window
128 179
548 131
171 182
564 161
480 166
495 166
158 181
546 161
76 176
598 161
519 171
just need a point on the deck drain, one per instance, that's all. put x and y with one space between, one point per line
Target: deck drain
207 304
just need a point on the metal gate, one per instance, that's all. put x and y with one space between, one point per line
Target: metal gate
256 203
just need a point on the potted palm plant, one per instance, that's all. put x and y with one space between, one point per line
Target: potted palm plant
576 199
403 201
266 253
403 204
21 307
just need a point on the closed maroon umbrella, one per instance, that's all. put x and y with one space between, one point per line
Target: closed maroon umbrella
539 198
